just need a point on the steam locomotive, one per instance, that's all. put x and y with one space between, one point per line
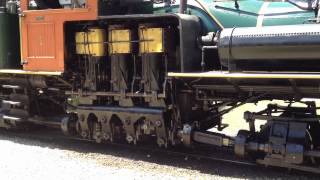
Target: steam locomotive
107 70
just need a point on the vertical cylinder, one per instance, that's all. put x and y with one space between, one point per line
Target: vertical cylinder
151 72
183 6
3 5
12 7
152 51
120 50
120 75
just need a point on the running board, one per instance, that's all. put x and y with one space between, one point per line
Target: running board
23 72
248 75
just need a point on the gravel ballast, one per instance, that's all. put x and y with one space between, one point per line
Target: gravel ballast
57 159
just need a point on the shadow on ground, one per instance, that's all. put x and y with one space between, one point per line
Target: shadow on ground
50 139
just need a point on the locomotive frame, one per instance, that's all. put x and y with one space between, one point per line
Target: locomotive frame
124 73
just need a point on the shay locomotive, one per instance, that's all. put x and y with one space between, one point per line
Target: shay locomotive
128 69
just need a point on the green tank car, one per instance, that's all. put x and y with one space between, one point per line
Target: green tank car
218 14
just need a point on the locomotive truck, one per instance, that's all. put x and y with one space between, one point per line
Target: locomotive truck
166 71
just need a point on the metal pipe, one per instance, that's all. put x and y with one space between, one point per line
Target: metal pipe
214 139
203 52
318 12
183 6
3 5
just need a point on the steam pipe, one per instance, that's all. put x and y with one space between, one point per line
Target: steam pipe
183 6
2 6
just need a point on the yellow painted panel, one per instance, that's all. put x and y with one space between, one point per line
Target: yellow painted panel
91 42
120 41
80 39
151 40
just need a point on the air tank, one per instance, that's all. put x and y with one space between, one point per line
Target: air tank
9 40
274 48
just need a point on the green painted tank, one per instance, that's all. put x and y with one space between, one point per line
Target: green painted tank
9 41
218 14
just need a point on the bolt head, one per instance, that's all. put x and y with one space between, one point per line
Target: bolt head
129 139
158 123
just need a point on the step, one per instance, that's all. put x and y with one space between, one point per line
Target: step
16 103
11 87
11 118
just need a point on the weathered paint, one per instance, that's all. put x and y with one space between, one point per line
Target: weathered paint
42 35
